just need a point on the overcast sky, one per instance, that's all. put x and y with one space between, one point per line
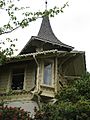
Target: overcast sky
72 27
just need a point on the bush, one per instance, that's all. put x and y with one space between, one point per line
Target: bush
73 102
13 113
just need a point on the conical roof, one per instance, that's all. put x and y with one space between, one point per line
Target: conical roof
46 35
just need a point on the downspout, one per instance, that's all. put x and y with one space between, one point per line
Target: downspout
35 60
37 92
37 82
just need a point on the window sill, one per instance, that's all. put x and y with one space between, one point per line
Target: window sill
47 90
18 92
72 77
47 86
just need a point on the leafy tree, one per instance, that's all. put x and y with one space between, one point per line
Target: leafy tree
73 102
19 17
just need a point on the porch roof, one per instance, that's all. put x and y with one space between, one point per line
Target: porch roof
47 53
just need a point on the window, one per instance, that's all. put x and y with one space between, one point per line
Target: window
17 79
47 73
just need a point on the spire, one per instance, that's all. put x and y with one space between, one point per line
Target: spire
46 5
46 34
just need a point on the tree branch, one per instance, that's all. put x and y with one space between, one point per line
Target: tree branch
10 30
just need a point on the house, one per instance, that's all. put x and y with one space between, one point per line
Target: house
41 69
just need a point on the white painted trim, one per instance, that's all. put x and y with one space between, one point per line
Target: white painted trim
9 82
24 83
56 74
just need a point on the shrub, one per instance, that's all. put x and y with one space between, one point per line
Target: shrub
73 102
13 113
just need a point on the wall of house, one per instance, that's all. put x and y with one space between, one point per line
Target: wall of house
79 65
30 76
31 80
16 98
75 66
4 77
24 98
26 105
70 68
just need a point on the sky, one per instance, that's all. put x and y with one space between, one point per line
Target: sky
71 27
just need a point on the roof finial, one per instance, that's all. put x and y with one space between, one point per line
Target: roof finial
46 5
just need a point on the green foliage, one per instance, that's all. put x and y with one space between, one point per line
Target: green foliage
10 113
83 86
8 51
73 102
2 3
14 13
79 89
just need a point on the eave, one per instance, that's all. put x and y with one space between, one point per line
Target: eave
43 54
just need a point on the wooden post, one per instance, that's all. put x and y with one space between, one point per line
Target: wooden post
56 74
37 81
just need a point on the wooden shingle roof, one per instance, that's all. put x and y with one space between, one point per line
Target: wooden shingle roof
46 35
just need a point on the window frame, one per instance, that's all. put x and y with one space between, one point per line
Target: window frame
16 68
52 72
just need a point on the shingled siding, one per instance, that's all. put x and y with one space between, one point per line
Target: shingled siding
30 77
4 77
74 66
69 69
79 65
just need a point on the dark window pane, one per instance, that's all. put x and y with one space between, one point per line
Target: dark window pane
17 79
18 71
